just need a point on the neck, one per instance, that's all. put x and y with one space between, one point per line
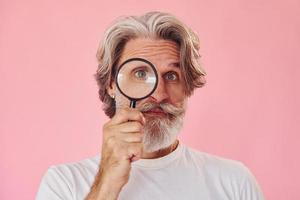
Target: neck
161 152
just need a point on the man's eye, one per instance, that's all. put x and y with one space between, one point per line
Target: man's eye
171 76
140 74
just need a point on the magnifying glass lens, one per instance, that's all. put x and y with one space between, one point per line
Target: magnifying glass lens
136 79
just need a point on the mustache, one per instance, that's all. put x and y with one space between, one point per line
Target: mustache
166 107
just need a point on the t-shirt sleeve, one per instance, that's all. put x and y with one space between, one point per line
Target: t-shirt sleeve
250 189
54 186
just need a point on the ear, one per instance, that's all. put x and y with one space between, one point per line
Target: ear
111 90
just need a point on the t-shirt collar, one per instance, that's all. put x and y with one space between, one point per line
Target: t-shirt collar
159 162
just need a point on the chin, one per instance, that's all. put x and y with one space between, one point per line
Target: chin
160 133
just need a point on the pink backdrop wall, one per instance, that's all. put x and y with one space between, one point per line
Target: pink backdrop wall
249 109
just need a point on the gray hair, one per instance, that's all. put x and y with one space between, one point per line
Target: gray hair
154 25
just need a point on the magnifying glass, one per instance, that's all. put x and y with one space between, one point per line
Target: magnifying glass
136 79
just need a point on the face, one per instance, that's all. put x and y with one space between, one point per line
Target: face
165 108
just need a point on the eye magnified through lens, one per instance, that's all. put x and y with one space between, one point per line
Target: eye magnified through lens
136 79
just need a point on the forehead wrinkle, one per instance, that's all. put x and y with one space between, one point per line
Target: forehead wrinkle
152 52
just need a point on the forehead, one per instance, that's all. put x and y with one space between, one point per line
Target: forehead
157 51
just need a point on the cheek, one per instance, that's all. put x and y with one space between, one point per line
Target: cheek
176 92
121 100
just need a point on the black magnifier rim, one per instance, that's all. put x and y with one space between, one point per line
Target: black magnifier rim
155 73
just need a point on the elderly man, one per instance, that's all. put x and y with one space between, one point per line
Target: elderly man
141 157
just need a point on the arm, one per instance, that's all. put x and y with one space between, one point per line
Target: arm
122 144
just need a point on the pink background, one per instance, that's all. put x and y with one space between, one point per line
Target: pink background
249 109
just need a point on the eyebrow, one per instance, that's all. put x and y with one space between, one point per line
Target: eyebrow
175 64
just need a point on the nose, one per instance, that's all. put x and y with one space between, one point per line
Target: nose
160 94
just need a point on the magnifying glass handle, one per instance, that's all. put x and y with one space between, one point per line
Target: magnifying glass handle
132 103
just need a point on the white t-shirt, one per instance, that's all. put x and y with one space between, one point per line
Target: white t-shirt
184 174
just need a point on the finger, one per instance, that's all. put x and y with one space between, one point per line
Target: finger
110 129
135 150
130 127
127 114
131 137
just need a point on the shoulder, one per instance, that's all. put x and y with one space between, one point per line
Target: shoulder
87 165
74 170
61 181
228 175
216 164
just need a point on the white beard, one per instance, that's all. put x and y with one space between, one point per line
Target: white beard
160 133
